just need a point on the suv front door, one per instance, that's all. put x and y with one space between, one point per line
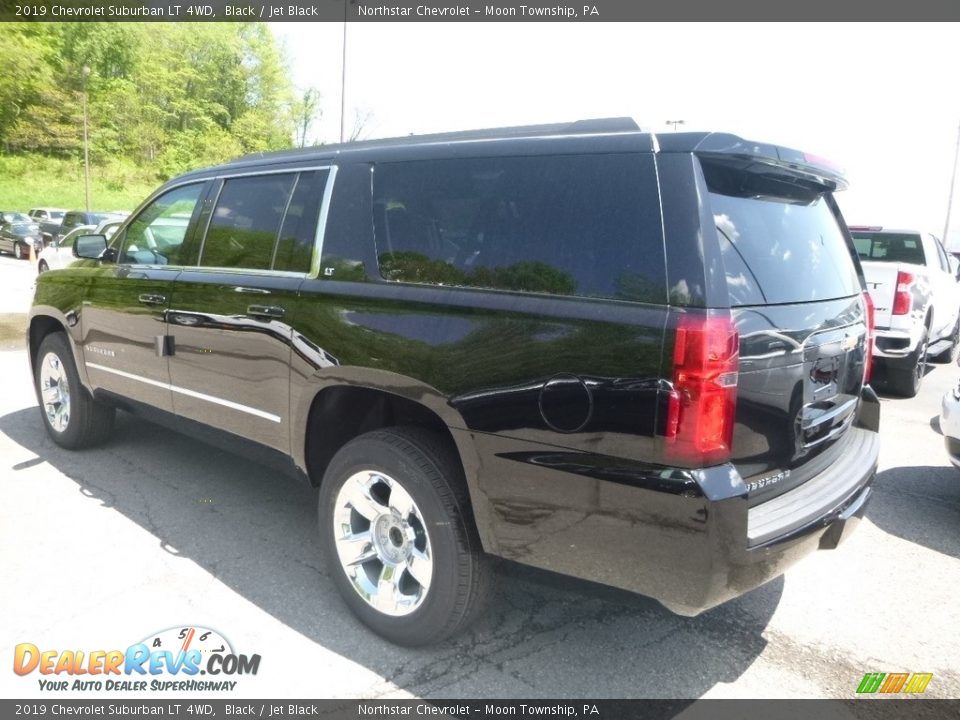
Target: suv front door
124 315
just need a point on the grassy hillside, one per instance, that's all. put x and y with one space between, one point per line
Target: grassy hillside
28 181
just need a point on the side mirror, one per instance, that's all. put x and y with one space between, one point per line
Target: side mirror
90 247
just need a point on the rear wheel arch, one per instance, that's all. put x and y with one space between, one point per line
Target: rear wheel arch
410 564
340 413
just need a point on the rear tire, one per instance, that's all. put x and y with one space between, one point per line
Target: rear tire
906 380
397 537
72 417
18 251
43 267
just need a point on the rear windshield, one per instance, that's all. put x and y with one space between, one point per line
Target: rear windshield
889 247
782 251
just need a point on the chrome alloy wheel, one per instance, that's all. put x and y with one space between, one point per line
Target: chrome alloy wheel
55 392
382 543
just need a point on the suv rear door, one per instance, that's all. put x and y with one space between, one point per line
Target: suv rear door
228 317
797 301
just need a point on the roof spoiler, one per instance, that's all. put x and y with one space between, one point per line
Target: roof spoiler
757 157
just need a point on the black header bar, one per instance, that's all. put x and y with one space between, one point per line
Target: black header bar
487 11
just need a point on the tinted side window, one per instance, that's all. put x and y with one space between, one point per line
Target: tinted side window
246 221
294 250
782 251
155 236
583 225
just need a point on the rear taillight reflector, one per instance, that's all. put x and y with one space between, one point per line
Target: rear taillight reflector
868 346
902 298
702 403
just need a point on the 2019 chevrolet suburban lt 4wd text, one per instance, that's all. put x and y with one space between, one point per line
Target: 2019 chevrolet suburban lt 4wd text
635 359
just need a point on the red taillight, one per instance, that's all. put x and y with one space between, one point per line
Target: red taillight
901 298
702 404
868 346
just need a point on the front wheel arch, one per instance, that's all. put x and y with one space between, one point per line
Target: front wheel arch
40 327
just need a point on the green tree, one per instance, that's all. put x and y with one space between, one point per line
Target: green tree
25 48
162 95
305 111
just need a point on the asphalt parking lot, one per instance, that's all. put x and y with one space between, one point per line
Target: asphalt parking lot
106 547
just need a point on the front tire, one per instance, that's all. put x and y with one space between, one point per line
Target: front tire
72 417
43 267
397 537
18 251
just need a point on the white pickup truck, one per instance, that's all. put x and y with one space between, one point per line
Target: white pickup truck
916 297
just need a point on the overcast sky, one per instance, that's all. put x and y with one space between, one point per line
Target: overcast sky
882 101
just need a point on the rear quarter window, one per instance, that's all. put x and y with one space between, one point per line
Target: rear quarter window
778 250
585 225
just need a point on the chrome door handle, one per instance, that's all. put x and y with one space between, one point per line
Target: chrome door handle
267 311
151 299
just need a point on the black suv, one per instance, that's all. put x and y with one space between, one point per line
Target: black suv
633 358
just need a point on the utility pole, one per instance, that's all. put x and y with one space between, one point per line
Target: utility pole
343 78
675 123
953 180
86 141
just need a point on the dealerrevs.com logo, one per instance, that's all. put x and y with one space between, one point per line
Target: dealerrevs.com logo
172 659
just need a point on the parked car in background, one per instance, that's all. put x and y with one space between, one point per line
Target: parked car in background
50 227
8 217
950 424
59 253
18 232
582 347
916 299
76 218
42 215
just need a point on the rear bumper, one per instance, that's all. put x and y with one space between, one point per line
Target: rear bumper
751 546
687 538
896 343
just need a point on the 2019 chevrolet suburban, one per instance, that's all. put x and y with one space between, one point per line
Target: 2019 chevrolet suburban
638 359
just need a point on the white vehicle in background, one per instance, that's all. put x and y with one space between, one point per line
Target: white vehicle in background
45 214
59 253
916 298
950 424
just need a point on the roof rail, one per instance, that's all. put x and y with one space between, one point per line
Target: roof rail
577 127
